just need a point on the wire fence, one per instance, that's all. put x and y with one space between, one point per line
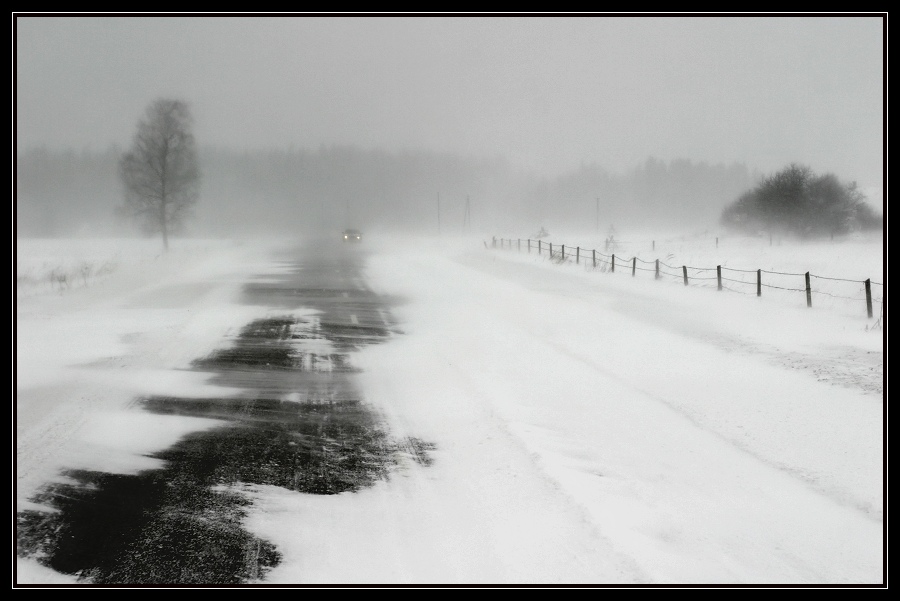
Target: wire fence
859 293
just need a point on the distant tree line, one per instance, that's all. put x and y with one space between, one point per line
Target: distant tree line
682 193
65 192
335 187
797 201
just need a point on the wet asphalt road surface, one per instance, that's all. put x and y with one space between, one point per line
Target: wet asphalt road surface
300 423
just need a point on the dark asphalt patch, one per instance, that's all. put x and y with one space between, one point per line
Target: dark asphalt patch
318 448
159 527
270 344
181 524
264 343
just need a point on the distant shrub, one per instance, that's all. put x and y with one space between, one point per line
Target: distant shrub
797 201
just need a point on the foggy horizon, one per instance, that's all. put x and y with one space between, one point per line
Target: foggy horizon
546 94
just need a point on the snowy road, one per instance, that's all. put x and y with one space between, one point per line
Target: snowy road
297 423
333 415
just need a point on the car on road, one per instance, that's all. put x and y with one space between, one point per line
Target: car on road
352 236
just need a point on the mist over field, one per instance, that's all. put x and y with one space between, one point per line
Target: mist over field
490 124
247 193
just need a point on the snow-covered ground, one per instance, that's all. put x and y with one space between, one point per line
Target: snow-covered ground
590 427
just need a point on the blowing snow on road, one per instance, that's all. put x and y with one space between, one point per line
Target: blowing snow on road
316 412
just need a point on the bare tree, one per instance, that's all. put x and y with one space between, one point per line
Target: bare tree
160 173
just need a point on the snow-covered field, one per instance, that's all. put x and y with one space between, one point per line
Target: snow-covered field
591 427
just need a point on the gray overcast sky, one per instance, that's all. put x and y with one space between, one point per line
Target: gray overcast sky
548 92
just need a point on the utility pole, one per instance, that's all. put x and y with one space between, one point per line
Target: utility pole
467 218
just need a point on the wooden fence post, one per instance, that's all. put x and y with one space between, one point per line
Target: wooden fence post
563 252
633 265
539 247
519 244
808 292
684 271
719 275
869 296
551 250
657 269
594 257
577 255
529 246
613 263
759 282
